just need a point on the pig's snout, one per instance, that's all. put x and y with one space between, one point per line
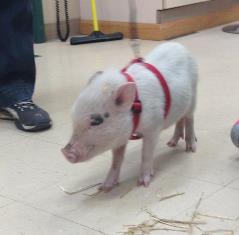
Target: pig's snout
70 153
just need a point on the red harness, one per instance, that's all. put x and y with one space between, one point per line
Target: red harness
137 106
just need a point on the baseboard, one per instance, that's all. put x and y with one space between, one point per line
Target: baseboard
171 29
51 32
192 10
160 31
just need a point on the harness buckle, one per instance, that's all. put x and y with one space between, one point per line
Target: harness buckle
136 136
137 107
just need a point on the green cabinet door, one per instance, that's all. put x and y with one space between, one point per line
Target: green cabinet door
38 22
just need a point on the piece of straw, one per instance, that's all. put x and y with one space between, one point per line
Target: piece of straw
231 232
174 221
94 194
216 217
170 196
195 212
80 190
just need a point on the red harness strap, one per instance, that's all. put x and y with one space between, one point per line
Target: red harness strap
164 85
137 106
136 109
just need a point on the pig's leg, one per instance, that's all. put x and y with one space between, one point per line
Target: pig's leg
190 137
147 171
178 133
113 175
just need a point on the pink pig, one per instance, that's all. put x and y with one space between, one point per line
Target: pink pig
103 119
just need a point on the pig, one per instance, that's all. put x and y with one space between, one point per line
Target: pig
102 116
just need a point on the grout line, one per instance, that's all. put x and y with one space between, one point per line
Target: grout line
226 185
64 218
13 201
50 213
8 204
205 197
9 198
46 141
14 141
211 194
35 138
205 181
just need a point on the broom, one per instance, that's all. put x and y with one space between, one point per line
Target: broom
96 35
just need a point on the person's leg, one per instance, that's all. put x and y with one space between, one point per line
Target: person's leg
17 66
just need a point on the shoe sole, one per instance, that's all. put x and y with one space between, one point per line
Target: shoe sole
5 115
41 127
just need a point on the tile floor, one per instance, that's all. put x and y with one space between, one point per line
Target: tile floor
32 166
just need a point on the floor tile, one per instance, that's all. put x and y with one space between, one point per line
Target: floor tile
5 201
234 184
218 212
20 219
130 208
9 136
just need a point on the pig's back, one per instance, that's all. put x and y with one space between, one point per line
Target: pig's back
180 71
175 63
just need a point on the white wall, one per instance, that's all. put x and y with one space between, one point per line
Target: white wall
113 10
49 10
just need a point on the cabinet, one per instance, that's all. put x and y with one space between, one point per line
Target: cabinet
177 3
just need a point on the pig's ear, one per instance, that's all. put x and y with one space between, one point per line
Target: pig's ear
94 76
125 96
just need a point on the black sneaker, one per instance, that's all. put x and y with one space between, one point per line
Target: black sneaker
27 116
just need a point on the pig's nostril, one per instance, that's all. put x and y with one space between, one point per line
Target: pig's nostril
68 146
70 156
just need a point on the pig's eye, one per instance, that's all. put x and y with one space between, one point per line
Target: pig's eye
96 119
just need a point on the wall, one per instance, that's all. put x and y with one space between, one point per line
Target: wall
112 10
49 10
114 16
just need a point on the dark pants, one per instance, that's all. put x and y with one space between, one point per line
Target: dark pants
17 65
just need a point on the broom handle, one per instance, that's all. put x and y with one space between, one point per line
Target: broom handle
94 15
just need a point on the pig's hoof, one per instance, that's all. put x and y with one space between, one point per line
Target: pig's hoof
145 179
107 187
174 141
191 145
